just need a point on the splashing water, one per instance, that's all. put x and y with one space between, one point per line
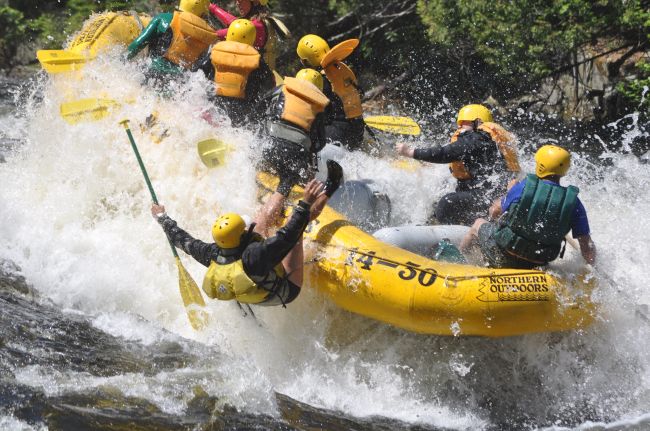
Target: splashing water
75 218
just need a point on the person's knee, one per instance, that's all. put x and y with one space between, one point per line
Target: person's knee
477 225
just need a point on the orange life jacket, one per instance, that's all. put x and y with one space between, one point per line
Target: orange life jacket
233 62
192 36
505 143
302 102
344 84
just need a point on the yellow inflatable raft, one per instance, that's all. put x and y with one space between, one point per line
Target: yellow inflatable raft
99 32
365 276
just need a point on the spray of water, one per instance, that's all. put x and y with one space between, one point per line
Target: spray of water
75 217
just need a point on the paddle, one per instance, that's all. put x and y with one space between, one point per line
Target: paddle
86 109
61 60
213 152
398 125
339 53
190 292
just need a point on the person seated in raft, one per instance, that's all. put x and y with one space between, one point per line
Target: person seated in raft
269 28
483 159
240 74
535 216
176 41
241 264
295 125
346 125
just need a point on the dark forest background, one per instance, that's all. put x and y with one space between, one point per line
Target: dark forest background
465 50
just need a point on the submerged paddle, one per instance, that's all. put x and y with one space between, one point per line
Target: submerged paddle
192 298
86 109
213 152
399 125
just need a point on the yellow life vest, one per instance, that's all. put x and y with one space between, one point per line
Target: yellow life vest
505 143
302 102
229 281
344 84
192 36
233 62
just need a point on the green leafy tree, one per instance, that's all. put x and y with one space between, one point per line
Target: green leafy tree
15 30
522 41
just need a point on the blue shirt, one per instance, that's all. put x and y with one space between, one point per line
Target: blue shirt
579 221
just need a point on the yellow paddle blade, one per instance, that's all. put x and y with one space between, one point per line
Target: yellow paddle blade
192 298
213 152
280 27
399 125
408 165
86 109
340 52
279 80
57 61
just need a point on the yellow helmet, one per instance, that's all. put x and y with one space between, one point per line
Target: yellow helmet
262 2
311 75
473 112
196 7
228 229
311 49
242 30
552 160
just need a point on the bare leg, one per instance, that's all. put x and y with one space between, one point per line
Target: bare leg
269 214
472 235
293 263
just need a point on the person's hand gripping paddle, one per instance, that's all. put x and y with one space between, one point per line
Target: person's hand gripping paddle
192 298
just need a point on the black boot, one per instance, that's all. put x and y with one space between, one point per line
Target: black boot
334 177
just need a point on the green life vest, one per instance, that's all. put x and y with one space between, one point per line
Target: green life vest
534 228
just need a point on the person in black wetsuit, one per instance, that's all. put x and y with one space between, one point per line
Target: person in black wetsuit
295 127
241 264
482 159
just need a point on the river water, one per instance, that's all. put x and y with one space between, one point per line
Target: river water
94 335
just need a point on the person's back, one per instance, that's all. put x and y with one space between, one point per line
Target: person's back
478 163
269 27
295 124
537 214
345 125
241 76
241 264
176 40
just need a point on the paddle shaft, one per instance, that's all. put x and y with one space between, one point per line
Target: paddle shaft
125 123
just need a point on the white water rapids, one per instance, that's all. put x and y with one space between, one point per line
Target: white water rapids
74 216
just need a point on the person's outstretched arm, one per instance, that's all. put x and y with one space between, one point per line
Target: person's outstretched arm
156 27
199 250
222 15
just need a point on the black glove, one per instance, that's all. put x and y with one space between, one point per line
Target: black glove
334 177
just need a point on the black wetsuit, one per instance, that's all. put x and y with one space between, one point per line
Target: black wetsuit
487 168
288 160
248 110
259 256
339 130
